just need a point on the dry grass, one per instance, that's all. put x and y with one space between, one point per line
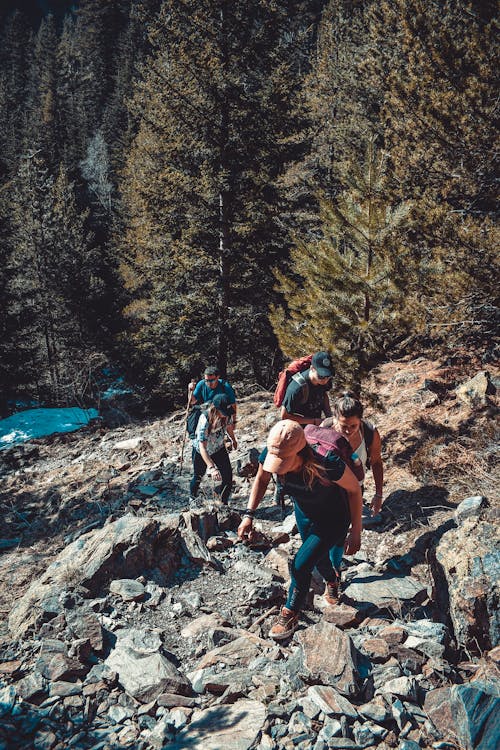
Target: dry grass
465 465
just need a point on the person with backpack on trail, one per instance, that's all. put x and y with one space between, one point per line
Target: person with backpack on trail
364 439
209 452
327 501
366 446
206 389
306 397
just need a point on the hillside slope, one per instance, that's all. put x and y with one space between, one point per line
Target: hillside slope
86 510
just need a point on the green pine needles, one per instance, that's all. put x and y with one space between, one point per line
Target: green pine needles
347 288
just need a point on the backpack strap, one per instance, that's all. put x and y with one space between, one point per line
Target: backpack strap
368 432
304 385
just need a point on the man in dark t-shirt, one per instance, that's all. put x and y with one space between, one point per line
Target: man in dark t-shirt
306 397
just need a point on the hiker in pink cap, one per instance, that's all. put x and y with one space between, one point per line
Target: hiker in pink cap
327 501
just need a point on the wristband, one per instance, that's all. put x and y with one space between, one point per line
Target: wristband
378 494
249 513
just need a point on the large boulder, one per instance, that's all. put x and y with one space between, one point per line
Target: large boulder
468 715
328 656
466 568
125 548
143 671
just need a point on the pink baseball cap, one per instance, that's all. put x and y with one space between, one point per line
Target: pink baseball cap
284 442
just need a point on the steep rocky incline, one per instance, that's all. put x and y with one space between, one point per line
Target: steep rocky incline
130 620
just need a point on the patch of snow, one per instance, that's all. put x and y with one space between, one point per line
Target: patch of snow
35 423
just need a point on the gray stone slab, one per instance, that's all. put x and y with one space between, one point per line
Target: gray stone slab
235 727
372 589
128 589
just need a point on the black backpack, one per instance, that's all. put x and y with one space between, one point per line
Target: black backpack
193 418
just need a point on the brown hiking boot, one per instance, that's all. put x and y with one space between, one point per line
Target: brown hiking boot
285 625
332 594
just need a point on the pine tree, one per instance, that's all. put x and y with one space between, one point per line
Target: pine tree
16 45
130 50
339 101
52 285
86 69
200 186
8 347
346 291
42 127
438 66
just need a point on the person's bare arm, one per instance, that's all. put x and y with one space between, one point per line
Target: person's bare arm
259 487
191 387
230 432
298 417
327 406
349 483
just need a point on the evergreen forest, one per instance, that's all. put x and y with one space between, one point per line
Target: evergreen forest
211 181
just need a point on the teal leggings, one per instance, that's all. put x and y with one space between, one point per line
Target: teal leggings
336 553
319 537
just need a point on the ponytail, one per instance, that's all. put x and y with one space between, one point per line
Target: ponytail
347 405
312 470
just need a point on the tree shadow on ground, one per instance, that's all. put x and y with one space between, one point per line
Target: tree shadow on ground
29 515
406 509
214 719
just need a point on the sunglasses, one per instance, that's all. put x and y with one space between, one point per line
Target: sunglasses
211 380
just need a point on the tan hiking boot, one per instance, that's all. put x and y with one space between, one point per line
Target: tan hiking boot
285 625
332 594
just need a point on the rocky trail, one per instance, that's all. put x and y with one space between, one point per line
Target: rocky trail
129 620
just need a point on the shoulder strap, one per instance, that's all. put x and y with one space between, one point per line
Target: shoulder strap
368 432
304 385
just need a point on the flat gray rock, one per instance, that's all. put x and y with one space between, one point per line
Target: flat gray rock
381 590
129 445
233 727
471 506
404 687
331 702
128 589
149 490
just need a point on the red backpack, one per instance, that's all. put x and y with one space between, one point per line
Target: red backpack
326 440
294 368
